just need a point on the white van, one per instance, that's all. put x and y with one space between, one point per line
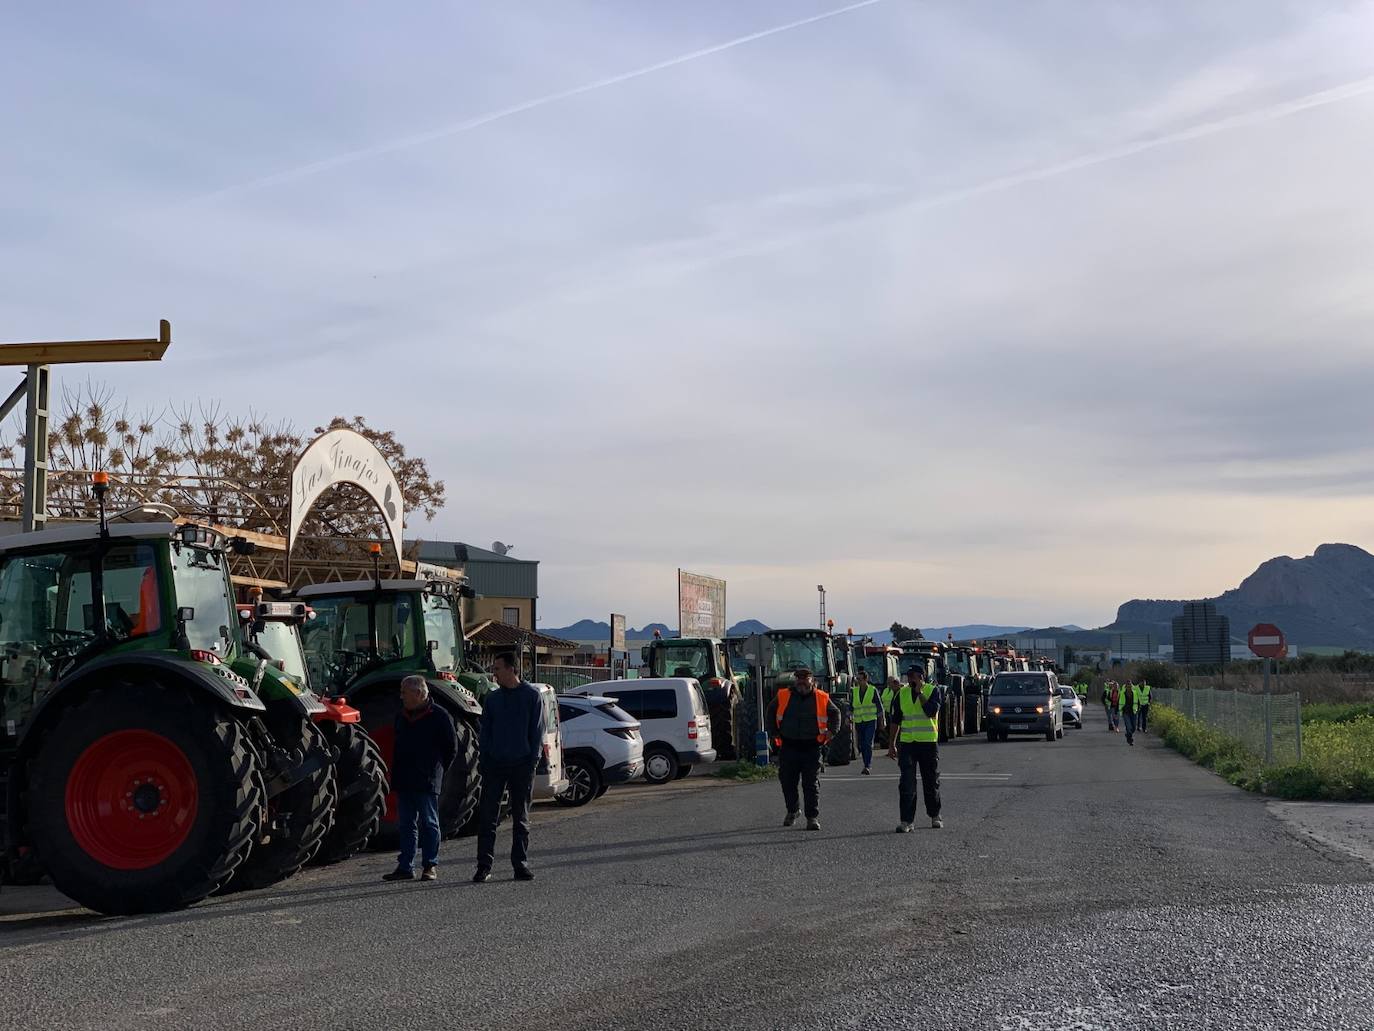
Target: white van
549 776
674 722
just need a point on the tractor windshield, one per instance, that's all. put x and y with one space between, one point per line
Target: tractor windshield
958 662
203 585
338 641
683 659
876 667
810 651
281 641
441 628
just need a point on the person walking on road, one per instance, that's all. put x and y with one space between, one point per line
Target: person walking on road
915 735
801 720
868 716
1143 707
1107 702
887 697
1128 710
425 746
512 740
1114 708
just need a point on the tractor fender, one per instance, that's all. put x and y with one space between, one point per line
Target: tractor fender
218 682
454 697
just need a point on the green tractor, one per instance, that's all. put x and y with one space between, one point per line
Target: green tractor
932 654
369 635
814 649
964 673
272 635
138 766
704 658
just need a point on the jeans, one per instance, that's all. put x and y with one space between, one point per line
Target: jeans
866 731
1130 725
421 807
1114 718
923 756
1144 715
497 780
801 761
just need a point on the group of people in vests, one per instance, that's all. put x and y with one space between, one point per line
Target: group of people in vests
1128 704
802 719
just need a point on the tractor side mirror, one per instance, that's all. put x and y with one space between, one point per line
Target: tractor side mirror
186 614
433 646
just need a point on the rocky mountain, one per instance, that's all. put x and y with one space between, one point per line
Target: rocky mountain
1324 599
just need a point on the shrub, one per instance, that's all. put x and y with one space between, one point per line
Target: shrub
1334 712
745 770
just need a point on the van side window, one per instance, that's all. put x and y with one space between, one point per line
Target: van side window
658 704
631 702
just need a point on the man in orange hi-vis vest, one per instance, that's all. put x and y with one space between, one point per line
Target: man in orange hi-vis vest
801 720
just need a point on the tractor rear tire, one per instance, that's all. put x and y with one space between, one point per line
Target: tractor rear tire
143 799
361 777
459 809
307 809
723 729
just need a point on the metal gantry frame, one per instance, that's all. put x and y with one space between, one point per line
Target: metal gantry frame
36 357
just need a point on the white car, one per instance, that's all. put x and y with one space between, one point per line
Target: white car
1073 707
550 776
673 721
601 747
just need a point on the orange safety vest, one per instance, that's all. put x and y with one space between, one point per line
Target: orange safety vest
822 720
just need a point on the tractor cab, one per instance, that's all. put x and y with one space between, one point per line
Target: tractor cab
879 661
705 659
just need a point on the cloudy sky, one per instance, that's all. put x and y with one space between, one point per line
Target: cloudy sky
969 311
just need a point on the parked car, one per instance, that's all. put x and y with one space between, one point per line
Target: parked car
673 721
1073 707
1025 702
601 747
550 776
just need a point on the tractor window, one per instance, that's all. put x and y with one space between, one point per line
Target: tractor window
790 652
132 598
683 660
280 641
202 585
440 628
338 641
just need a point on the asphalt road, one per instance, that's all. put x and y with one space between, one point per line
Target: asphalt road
1075 885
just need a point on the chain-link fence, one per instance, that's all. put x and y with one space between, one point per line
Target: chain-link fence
567 678
1269 725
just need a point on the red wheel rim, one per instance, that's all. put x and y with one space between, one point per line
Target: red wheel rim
385 736
131 799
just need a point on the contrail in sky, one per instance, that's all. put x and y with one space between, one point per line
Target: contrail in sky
443 132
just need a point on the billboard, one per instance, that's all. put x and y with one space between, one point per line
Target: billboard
700 605
617 632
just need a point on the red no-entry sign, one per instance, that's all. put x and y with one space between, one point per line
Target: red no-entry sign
1267 641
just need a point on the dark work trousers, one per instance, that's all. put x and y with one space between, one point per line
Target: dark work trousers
1143 717
925 756
801 760
519 781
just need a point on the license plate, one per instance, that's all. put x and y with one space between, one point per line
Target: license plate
1020 726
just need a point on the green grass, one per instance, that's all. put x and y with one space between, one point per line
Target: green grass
745 770
1335 712
1337 758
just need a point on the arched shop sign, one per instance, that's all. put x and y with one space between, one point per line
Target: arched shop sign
343 456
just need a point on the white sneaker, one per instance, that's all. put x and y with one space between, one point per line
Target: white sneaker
903 828
936 822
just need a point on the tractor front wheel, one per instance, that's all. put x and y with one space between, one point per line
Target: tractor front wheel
361 777
143 799
458 801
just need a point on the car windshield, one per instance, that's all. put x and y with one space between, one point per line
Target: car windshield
440 628
281 641
615 712
680 659
1019 685
1068 692
791 652
203 585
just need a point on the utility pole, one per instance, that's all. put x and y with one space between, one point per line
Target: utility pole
821 588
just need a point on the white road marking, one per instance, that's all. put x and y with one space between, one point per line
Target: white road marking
830 779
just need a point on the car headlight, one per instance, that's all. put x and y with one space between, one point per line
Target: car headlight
1039 709
997 710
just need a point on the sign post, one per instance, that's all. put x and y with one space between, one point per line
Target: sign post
1267 641
758 652
617 642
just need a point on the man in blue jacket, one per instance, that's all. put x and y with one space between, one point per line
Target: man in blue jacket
426 745
512 739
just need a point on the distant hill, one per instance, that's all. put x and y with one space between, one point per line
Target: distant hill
1325 599
746 627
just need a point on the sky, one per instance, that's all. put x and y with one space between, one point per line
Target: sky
971 312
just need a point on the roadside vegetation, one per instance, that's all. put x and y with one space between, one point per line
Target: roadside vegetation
1337 756
745 770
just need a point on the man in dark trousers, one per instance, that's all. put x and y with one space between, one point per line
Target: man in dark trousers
425 747
914 730
512 740
801 720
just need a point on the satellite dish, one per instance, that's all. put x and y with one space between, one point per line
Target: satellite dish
500 548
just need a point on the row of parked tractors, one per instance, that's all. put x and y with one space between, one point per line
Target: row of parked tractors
963 669
166 734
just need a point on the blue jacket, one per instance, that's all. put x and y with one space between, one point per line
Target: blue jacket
426 745
512 732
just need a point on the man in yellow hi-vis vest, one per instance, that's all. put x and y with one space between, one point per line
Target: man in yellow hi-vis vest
867 714
914 733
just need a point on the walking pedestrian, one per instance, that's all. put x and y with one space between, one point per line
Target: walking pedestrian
915 734
1143 707
887 697
1107 702
1128 710
868 716
425 745
1114 714
512 740
801 720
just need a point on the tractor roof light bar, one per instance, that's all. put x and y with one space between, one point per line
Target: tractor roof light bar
36 357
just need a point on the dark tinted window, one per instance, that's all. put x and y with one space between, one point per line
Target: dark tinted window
615 712
1020 685
1068 692
569 712
657 704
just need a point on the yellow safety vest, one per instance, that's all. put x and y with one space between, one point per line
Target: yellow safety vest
864 710
916 725
1144 698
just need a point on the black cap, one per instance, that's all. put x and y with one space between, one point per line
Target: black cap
797 670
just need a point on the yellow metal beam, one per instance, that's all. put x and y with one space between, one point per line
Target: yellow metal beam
67 352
